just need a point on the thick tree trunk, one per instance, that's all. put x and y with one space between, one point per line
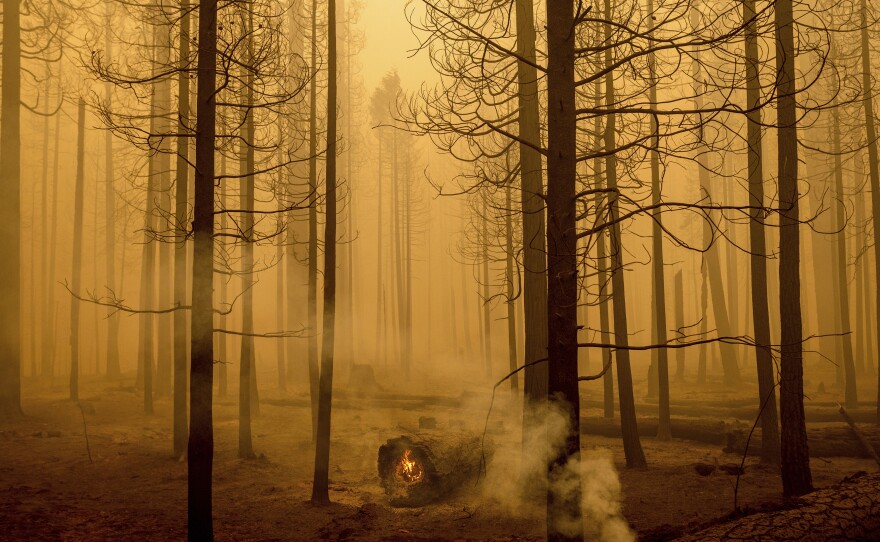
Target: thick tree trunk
796 477
632 446
76 266
564 516
533 234
200 454
181 211
321 483
10 208
757 246
873 169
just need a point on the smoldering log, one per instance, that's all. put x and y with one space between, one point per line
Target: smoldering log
847 511
418 469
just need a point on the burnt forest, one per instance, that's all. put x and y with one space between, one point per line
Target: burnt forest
439 270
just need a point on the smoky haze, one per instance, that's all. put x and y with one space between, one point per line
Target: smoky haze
600 271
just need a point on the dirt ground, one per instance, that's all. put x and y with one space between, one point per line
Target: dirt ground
133 489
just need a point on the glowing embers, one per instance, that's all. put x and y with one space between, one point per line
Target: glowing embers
409 471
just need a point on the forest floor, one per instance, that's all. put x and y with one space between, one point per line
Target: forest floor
134 490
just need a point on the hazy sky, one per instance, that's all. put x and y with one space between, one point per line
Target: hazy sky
389 42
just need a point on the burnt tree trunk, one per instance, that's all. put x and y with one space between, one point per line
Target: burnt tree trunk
796 477
321 482
200 453
758 248
564 516
76 269
10 207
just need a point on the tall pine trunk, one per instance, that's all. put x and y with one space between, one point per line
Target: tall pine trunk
659 281
165 269
321 483
312 302
711 271
564 516
246 204
10 209
181 210
873 170
535 375
844 341
757 245
113 368
632 446
76 266
511 301
796 477
200 450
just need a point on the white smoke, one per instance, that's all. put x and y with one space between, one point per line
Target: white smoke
508 477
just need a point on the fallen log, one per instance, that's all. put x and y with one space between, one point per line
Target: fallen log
814 413
847 511
706 431
822 441
863 440
419 469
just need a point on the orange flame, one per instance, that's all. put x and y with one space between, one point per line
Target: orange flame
408 469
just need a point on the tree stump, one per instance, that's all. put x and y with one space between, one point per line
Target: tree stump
419 469
847 511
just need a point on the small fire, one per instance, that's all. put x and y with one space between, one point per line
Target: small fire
408 469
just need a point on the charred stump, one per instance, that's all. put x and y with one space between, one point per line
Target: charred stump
416 470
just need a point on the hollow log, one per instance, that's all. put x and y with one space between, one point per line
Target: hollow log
836 441
847 511
418 469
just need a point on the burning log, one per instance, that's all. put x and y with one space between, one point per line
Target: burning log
416 470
